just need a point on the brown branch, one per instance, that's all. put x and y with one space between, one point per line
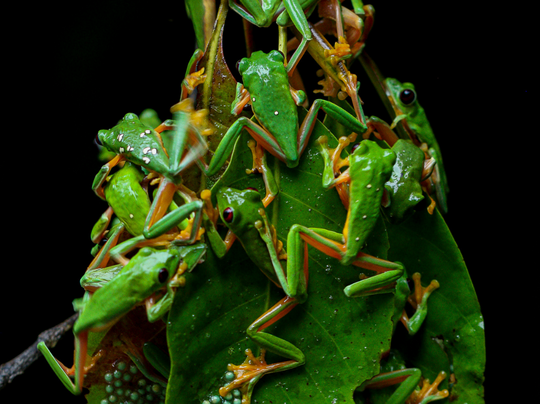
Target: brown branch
17 366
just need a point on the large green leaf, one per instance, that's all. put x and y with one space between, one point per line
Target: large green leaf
342 338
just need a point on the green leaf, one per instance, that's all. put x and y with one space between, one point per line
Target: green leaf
342 338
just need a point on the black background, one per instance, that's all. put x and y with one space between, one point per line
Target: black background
75 69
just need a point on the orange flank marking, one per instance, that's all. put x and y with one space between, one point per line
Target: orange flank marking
106 258
242 102
165 196
263 143
323 248
286 301
370 265
388 382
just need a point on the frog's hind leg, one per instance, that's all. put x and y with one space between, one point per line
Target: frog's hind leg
78 370
253 368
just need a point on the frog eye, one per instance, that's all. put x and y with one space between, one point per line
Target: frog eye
407 96
228 214
355 146
163 275
276 56
242 65
253 189
98 140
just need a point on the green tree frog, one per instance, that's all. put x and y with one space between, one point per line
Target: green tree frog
242 211
133 141
274 104
148 272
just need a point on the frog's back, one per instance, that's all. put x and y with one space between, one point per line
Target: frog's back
137 142
267 81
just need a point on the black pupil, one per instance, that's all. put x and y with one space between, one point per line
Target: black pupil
407 96
355 147
228 215
163 275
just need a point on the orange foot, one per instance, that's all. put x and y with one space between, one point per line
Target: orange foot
252 367
421 294
428 390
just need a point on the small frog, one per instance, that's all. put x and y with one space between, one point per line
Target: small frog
413 118
148 272
369 168
274 104
133 141
242 211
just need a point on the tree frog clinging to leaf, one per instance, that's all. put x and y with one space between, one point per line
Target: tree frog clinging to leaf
274 104
147 272
243 213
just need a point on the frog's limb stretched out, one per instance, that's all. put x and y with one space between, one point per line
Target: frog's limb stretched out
267 88
147 272
252 228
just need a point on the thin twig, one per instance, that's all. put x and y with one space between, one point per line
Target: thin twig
17 366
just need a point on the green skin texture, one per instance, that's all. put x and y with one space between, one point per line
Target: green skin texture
404 186
140 145
266 79
147 272
417 121
253 231
128 199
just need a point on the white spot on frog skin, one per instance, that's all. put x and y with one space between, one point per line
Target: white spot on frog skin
129 148
121 150
142 134
131 215
154 151
364 217
253 99
146 150
120 137
276 112
147 131
146 160
368 186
